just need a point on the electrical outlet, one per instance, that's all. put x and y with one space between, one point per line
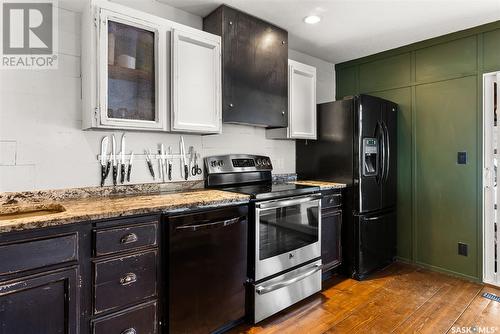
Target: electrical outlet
462 158
462 249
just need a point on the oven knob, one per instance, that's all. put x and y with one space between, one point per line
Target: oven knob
220 163
213 163
290 256
259 162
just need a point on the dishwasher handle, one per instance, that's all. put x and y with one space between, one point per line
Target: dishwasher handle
210 224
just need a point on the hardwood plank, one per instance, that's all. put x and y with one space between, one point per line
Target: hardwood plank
440 312
397 300
481 312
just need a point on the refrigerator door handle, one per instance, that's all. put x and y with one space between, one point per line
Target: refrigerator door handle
382 141
387 152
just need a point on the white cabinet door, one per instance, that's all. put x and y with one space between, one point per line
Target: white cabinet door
130 59
301 101
196 82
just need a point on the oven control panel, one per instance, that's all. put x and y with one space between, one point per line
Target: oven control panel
237 163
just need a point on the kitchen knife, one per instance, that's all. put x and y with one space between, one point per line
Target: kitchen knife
122 159
162 163
191 157
169 162
115 163
108 166
129 171
104 163
150 164
183 153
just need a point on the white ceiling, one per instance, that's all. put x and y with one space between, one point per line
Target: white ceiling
351 29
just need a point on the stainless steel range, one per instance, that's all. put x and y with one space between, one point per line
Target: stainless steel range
285 226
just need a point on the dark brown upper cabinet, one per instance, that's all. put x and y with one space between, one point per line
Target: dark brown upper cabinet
254 68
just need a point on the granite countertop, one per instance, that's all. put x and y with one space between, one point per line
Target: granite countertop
94 208
323 185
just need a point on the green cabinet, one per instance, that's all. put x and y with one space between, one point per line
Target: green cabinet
440 61
385 73
349 78
491 51
446 192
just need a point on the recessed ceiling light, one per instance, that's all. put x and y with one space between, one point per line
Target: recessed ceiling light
312 19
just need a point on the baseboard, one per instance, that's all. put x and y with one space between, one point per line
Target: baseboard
449 272
404 260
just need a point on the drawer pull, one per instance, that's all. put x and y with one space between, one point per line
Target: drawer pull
129 238
128 279
129 331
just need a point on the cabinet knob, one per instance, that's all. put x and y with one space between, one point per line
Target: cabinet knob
129 238
128 279
129 331
231 105
283 113
230 23
283 42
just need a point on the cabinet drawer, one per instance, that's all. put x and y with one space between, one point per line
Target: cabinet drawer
331 200
32 254
137 320
124 280
113 240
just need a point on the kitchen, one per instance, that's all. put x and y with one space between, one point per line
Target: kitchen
184 169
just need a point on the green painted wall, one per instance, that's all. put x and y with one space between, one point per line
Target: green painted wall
438 86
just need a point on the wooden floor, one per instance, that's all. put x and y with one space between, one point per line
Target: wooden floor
400 299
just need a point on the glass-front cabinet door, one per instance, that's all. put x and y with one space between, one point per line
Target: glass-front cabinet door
129 67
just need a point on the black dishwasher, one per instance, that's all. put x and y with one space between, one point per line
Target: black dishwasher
207 269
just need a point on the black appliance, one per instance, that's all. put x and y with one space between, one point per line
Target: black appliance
207 265
284 254
356 145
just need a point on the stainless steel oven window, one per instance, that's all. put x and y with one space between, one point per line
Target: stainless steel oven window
288 233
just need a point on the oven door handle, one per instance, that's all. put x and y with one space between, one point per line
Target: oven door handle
262 289
287 202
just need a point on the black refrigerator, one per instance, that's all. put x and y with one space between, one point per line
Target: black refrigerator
357 145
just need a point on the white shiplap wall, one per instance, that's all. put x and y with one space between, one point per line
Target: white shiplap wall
42 145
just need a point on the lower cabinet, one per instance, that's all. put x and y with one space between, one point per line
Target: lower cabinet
105 277
331 249
136 320
125 276
331 230
43 303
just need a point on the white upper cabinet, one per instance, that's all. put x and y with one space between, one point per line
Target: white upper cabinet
301 100
143 72
196 82
301 103
129 70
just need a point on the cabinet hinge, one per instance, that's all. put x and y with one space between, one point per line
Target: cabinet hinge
80 281
96 114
